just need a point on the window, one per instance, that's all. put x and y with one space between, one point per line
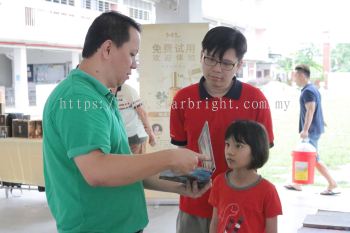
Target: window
64 2
49 73
100 5
86 4
29 16
146 15
138 14
139 9
139 4
107 7
97 5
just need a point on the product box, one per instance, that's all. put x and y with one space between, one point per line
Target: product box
203 173
26 128
2 120
23 128
26 117
4 131
9 118
38 133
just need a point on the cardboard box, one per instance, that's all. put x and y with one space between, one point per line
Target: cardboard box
4 130
26 117
23 128
2 120
26 129
38 129
9 118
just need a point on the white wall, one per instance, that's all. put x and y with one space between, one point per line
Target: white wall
52 23
166 15
37 56
195 11
34 56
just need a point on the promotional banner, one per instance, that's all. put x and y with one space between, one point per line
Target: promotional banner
169 61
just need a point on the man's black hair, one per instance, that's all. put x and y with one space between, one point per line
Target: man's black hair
304 69
108 26
219 39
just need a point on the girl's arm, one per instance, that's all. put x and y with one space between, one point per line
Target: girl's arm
214 221
271 225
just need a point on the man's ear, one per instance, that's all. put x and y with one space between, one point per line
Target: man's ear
202 53
106 48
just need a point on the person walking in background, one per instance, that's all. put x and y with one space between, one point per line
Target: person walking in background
311 123
246 150
135 118
92 182
220 99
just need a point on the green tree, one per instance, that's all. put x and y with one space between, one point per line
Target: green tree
285 64
340 58
310 56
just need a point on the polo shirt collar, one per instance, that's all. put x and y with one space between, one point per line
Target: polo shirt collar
308 84
102 89
234 92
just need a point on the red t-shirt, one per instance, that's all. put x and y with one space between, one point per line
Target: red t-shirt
252 205
192 106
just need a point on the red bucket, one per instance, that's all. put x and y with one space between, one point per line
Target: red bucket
303 167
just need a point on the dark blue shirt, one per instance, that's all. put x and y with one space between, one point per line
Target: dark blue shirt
310 94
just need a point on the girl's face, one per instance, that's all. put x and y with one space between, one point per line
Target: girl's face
238 155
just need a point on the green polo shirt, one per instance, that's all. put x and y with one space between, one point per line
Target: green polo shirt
80 116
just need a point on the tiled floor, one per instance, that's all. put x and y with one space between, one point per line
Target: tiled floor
28 212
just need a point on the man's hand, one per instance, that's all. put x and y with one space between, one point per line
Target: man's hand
152 139
192 190
184 161
304 134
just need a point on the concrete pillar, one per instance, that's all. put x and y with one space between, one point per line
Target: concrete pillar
75 59
195 11
326 57
251 69
20 80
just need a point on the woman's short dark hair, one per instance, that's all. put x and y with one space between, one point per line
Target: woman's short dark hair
254 135
108 26
219 39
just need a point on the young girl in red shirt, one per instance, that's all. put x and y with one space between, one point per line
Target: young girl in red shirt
243 201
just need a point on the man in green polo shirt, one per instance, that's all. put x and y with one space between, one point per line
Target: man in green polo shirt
92 182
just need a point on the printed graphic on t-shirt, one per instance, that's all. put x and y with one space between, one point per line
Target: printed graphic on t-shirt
231 219
124 103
